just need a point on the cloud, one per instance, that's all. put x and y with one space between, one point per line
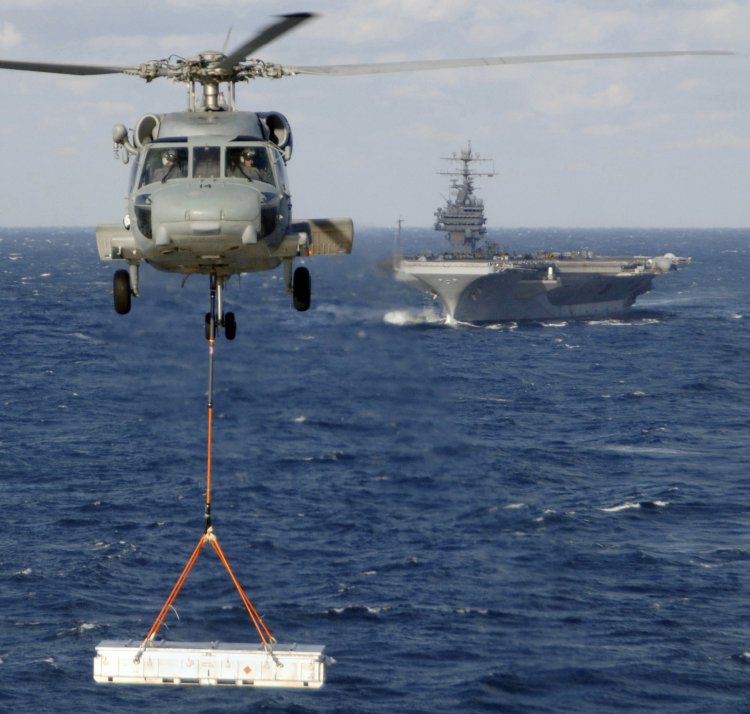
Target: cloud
725 22
558 100
9 36
715 140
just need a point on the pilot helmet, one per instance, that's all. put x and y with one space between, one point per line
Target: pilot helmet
248 154
169 157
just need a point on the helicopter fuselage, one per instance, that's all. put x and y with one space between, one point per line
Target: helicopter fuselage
204 211
209 193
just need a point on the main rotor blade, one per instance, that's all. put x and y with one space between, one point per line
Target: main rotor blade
419 66
281 26
76 69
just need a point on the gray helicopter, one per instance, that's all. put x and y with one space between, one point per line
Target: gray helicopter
208 189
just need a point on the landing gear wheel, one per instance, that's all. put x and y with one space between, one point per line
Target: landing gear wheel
230 326
301 289
121 291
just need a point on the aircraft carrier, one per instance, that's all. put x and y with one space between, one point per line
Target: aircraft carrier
483 284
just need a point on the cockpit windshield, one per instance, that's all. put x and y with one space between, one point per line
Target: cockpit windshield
249 162
163 164
206 162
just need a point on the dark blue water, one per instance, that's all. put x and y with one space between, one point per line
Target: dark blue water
548 518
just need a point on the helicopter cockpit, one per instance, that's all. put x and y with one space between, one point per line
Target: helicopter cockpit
246 161
164 164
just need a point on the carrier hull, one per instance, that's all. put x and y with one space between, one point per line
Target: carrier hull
511 288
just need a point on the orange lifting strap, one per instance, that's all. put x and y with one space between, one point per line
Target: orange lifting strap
209 537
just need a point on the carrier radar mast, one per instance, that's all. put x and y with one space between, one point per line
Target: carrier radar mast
462 217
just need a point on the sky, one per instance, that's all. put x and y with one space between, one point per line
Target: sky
626 143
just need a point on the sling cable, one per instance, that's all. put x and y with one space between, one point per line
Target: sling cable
214 663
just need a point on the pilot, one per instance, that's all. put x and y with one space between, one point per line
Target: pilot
169 168
246 168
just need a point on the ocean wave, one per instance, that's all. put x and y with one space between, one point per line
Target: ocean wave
406 318
624 322
357 611
635 505
458 486
655 451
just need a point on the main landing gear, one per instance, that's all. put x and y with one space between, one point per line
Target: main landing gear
301 288
299 285
125 286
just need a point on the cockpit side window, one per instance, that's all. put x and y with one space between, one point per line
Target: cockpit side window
281 171
164 164
206 161
250 163
133 174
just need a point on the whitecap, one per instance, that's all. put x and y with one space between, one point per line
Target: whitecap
625 323
630 505
299 419
645 450
471 611
505 326
47 660
405 318
622 507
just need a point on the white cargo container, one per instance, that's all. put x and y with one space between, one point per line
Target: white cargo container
210 663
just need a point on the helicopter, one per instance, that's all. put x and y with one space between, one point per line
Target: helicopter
208 189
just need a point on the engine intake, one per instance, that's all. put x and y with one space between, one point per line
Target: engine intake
146 130
279 131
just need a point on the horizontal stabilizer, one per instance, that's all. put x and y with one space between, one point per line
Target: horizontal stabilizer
116 243
328 236
210 663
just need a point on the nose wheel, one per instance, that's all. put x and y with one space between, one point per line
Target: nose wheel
216 318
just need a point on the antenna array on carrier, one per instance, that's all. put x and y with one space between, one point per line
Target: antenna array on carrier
463 215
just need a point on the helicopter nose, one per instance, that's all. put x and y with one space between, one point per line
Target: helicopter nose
182 214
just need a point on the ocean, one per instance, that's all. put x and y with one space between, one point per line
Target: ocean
550 517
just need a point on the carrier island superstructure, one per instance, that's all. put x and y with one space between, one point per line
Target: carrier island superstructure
483 284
